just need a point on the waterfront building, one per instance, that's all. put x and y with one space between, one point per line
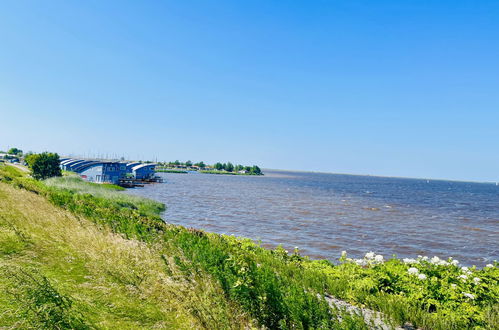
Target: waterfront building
144 171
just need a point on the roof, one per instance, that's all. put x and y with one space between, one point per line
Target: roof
138 167
84 165
133 164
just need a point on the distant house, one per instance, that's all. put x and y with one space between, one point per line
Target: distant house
144 171
103 172
130 166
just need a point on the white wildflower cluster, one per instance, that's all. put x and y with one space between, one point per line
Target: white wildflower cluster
370 258
469 295
410 261
415 271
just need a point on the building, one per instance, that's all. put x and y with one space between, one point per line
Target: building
109 171
144 171
130 166
103 172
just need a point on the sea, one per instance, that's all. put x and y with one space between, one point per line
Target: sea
323 214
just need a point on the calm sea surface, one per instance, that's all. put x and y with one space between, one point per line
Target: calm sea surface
324 214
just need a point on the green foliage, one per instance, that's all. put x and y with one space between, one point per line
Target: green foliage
201 164
188 163
218 166
229 167
44 165
15 151
255 170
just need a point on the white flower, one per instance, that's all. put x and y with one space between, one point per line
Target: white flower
422 276
476 280
425 258
413 270
343 254
455 262
469 295
409 260
360 262
464 269
435 260
464 277
378 258
489 265
453 286
370 255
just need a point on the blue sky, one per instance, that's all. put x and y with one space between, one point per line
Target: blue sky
397 88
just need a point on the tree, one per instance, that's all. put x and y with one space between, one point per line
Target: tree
188 163
201 164
44 165
218 166
15 151
177 162
229 167
255 170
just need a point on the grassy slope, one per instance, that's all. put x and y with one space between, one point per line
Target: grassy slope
223 276
113 282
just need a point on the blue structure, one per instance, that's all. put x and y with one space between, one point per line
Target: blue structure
108 171
102 172
144 171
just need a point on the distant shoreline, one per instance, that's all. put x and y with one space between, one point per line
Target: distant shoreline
381 176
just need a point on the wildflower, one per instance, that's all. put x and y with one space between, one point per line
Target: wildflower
468 295
454 262
476 280
343 254
464 269
489 265
409 260
378 258
370 255
425 258
453 286
360 262
463 277
413 270
435 260
422 276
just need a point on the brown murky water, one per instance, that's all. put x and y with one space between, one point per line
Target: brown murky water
324 214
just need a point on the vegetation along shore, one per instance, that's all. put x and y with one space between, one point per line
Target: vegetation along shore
74 254
201 167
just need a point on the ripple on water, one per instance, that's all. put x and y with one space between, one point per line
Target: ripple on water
327 213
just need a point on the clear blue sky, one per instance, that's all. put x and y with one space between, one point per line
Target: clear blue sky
398 88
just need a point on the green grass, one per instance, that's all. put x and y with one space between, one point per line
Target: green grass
270 288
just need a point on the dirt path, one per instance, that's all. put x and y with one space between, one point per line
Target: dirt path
21 167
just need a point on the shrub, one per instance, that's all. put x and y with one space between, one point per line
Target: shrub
44 165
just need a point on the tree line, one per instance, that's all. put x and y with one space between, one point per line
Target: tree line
228 167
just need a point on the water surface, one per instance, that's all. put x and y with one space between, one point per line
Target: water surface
324 214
